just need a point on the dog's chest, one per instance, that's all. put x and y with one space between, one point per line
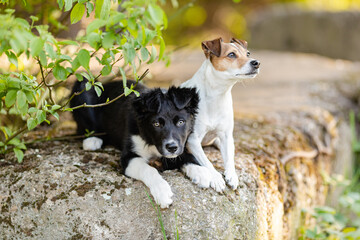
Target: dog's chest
215 113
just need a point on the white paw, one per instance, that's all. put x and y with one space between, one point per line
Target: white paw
92 143
232 179
217 182
162 193
198 174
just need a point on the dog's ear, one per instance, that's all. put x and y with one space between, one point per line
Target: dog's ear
185 98
242 43
212 47
148 102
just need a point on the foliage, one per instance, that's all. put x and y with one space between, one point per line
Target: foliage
126 36
340 223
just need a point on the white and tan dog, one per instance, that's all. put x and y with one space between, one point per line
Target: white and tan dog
225 65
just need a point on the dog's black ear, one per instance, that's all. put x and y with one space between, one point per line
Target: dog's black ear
148 102
242 43
212 47
185 98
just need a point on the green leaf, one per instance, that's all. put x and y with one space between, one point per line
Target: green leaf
21 99
55 107
40 116
102 9
61 4
108 40
153 55
32 110
123 75
129 53
50 51
156 13
68 5
95 25
98 90
106 70
75 64
94 40
60 72
12 58
29 96
144 54
10 98
36 45
89 8
79 77
127 91
56 115
162 48
19 154
77 13
43 59
88 86
31 123
84 58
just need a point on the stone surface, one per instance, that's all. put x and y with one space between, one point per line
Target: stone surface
63 192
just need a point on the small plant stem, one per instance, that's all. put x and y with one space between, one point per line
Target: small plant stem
84 105
44 82
21 130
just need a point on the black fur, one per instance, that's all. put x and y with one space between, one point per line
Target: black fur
133 115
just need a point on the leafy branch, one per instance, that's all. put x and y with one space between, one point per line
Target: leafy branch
131 35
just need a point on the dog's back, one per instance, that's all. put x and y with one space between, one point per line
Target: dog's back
110 120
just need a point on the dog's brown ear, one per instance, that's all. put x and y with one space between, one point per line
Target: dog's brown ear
242 43
212 47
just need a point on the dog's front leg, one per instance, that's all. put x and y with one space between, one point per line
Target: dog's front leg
227 150
194 146
159 188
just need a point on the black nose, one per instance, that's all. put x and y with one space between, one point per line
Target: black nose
255 64
171 147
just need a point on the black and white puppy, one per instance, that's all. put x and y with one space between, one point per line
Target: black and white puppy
154 125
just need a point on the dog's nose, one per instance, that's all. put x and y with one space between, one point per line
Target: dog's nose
171 147
255 64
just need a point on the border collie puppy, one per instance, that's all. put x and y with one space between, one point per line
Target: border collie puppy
154 125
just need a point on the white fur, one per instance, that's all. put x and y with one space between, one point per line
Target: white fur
198 174
92 143
215 118
140 170
159 188
144 150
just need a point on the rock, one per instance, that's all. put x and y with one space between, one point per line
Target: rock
63 192
289 28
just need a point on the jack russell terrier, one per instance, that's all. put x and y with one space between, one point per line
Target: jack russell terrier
225 65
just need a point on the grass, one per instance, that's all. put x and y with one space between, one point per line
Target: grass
158 211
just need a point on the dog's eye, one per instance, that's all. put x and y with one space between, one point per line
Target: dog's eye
180 123
232 55
248 54
156 124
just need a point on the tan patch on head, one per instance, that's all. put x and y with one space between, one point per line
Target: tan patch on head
223 62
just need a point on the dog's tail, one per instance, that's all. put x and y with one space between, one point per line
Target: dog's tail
86 118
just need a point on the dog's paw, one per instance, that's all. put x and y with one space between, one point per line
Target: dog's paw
232 179
217 182
92 143
199 175
162 193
